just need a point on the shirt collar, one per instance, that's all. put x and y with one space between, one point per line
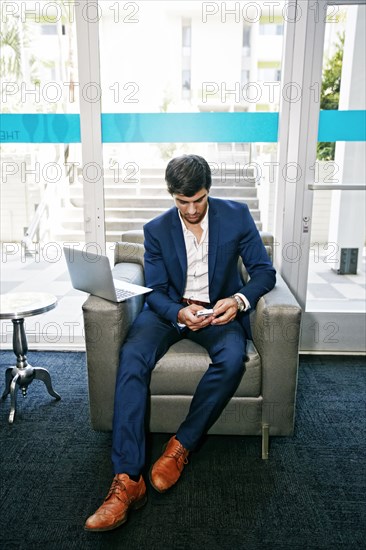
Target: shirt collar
204 222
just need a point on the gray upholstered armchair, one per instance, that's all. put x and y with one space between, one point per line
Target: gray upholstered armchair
264 403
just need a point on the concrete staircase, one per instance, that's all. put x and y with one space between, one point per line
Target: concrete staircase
130 206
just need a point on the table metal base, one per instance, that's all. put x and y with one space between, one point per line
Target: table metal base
23 374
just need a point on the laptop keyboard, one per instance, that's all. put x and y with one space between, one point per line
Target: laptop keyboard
122 294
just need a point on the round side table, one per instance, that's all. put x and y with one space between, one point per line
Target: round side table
16 306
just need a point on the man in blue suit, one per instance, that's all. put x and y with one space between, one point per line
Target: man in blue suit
191 263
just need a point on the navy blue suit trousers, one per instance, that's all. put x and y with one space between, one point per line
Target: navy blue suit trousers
148 340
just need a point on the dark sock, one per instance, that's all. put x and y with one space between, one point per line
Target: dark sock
134 478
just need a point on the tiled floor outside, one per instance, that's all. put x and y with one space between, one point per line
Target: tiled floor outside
329 291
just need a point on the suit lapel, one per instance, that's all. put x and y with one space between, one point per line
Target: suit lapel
213 239
179 246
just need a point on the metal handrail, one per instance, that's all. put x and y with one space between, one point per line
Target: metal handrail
33 226
337 187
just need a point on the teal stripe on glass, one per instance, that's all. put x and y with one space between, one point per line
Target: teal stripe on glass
144 128
175 127
342 126
40 128
189 127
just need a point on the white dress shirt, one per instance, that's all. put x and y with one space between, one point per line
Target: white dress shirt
197 264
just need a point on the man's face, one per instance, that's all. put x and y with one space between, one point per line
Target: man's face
192 209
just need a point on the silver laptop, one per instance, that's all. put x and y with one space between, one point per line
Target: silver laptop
92 273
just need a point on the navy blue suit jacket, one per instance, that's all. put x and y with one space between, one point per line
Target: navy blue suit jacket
232 234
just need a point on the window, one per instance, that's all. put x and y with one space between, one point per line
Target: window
246 39
49 29
186 34
245 76
271 29
186 79
269 74
186 58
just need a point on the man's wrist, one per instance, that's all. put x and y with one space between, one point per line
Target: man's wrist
239 302
180 317
242 303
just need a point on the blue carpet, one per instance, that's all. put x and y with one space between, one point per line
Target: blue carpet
310 494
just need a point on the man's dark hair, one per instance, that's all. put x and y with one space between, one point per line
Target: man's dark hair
187 174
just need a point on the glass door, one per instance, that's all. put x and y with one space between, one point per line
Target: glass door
323 217
41 197
336 277
192 77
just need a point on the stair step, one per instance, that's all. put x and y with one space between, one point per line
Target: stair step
136 192
116 218
219 168
161 202
137 198
217 184
78 235
216 167
130 178
115 201
146 213
137 225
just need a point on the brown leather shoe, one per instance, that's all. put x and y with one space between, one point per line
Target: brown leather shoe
168 468
124 495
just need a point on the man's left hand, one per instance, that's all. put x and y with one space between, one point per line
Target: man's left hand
225 311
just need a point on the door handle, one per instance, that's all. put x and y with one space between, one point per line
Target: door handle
339 187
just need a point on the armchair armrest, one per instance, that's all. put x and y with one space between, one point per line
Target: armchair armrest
129 252
276 332
106 325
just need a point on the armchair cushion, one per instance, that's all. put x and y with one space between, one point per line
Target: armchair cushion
182 367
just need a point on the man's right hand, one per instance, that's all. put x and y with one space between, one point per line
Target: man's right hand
187 316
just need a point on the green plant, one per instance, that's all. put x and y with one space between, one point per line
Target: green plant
10 60
329 98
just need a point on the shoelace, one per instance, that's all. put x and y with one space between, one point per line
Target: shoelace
117 487
178 454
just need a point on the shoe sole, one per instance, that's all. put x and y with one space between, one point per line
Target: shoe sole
151 481
135 506
156 488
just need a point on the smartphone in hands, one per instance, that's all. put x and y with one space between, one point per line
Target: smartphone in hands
204 312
